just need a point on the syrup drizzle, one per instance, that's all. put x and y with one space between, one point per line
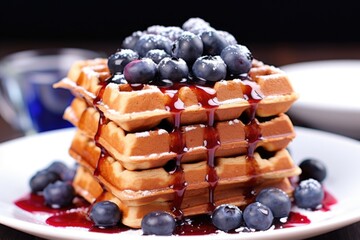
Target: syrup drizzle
102 121
207 99
178 146
252 134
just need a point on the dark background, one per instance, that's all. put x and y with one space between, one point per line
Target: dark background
251 22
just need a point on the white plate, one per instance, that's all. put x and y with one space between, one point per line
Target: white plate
329 95
21 158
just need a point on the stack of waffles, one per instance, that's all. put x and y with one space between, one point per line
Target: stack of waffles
183 148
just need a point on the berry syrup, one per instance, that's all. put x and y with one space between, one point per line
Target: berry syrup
75 215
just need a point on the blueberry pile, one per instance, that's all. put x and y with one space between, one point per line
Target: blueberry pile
191 53
270 204
55 184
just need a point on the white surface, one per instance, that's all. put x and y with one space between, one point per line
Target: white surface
329 95
20 159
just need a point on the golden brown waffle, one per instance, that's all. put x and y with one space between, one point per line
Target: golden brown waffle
136 109
193 204
138 151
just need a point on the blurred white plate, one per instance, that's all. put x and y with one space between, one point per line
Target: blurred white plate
329 95
21 158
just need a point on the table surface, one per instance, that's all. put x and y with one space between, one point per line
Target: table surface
276 54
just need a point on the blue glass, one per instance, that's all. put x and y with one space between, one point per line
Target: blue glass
46 105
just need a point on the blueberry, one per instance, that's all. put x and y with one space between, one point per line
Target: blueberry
230 39
65 173
188 47
213 42
158 223
193 23
41 179
69 175
238 59
312 168
258 216
277 200
209 68
59 194
226 217
118 60
174 69
309 194
196 26
156 55
130 41
105 214
151 41
140 71
57 167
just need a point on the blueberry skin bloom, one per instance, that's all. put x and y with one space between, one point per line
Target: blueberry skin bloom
277 200
213 42
158 223
194 22
118 60
59 194
140 71
130 41
105 214
209 68
258 216
151 41
156 55
174 69
41 179
309 194
65 173
237 58
226 217
188 47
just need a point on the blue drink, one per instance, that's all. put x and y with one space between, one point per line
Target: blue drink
45 104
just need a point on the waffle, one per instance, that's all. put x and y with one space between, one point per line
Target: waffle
193 204
146 107
276 133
